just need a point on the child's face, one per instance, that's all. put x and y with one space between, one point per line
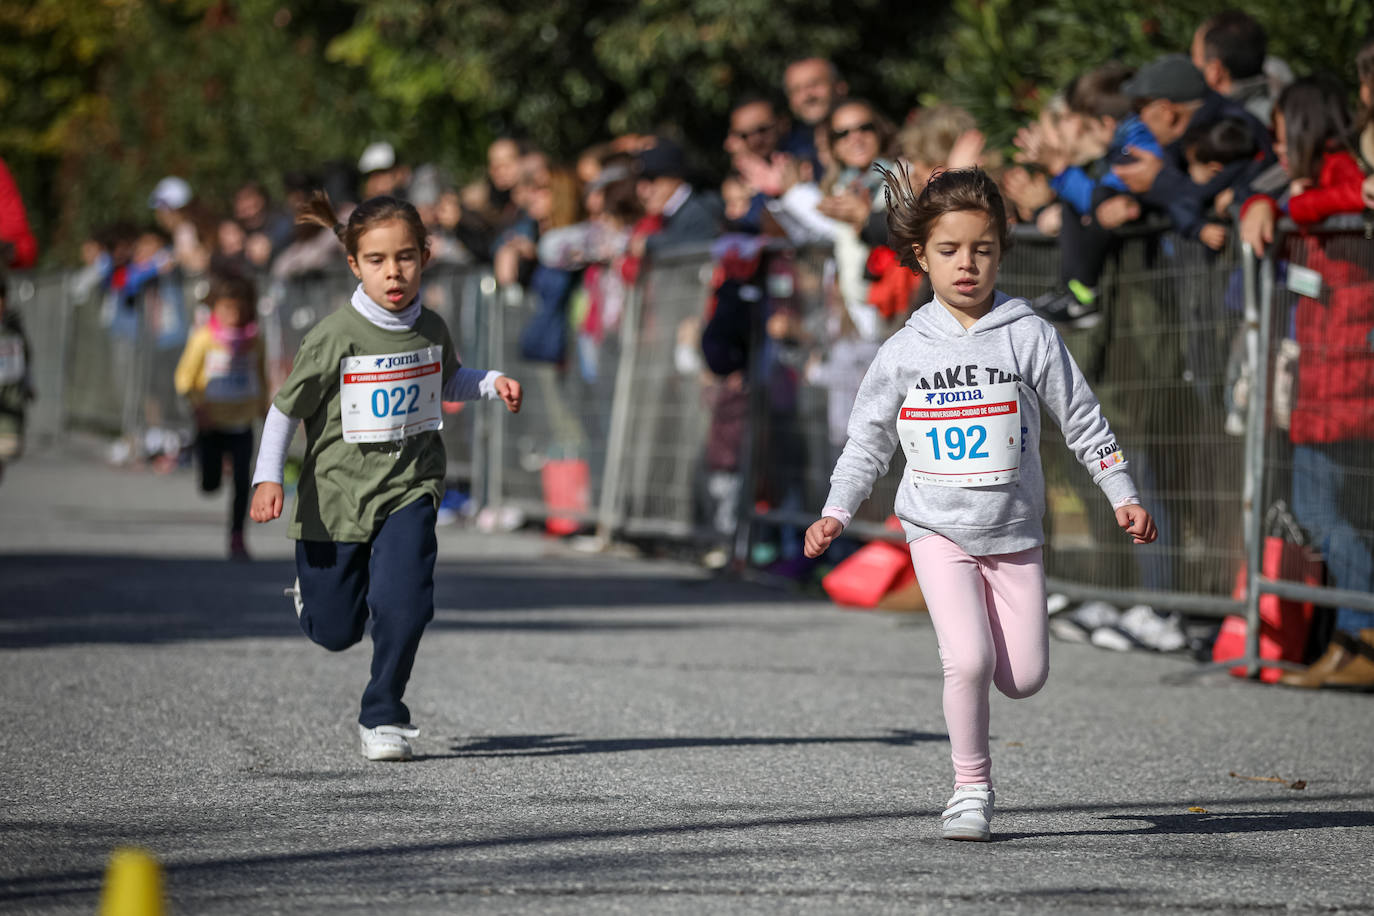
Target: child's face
388 263
1201 172
736 196
961 257
231 313
1094 136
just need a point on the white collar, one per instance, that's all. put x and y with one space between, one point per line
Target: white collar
679 198
384 318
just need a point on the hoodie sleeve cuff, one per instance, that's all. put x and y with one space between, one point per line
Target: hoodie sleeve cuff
838 514
1118 487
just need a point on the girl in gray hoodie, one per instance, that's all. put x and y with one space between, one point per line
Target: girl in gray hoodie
959 389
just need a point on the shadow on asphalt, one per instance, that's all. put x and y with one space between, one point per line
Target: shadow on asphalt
235 869
1213 823
561 745
57 599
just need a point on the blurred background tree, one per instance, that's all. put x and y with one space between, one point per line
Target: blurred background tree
100 98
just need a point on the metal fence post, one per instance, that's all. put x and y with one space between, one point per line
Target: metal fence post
617 439
1258 315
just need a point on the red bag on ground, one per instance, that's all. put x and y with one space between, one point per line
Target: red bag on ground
567 489
1284 623
867 575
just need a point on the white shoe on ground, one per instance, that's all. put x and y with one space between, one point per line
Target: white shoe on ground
294 593
387 742
1161 632
968 816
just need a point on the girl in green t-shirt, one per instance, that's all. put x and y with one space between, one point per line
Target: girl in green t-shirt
368 382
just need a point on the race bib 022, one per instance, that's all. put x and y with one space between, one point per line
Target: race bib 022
385 398
963 437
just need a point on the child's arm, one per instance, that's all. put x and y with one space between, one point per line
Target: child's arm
189 366
474 384
1066 395
866 456
268 495
1339 193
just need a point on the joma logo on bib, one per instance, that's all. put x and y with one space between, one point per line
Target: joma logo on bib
940 398
390 362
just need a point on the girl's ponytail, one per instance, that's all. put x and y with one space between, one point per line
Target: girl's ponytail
318 211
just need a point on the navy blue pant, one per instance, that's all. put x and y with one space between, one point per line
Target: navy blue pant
211 447
392 576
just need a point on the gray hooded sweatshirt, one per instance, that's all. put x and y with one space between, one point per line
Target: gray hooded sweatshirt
932 352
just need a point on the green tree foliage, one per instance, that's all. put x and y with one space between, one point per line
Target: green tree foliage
100 98
1005 58
565 73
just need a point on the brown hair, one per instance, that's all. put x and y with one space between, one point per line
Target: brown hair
911 216
1097 93
1364 71
567 197
235 286
931 133
319 211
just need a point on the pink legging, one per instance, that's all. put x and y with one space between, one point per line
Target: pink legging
990 620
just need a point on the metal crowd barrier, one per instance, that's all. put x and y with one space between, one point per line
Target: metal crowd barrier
1310 440
620 435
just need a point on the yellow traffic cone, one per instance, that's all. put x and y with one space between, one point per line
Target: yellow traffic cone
133 885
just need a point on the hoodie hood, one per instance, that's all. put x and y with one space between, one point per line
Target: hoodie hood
934 321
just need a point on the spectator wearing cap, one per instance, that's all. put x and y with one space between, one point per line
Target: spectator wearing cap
685 215
1172 98
1229 49
173 206
382 171
18 249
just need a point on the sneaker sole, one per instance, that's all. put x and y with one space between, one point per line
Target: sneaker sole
388 753
967 834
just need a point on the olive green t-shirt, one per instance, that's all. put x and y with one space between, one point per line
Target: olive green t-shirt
348 489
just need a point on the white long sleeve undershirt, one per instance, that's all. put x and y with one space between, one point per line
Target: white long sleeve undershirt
278 429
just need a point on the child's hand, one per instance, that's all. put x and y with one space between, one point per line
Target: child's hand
1140 172
1367 191
820 534
1136 522
267 502
1117 210
1213 235
508 389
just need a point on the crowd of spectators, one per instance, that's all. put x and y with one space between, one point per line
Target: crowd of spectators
1218 141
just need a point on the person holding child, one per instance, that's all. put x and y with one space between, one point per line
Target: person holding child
368 382
960 388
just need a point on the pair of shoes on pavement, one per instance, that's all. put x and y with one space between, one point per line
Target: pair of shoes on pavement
1074 304
1142 627
1082 622
968 815
387 742
1102 625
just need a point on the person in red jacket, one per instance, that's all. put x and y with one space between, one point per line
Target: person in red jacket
17 246
1332 426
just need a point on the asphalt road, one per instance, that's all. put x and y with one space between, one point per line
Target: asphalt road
606 734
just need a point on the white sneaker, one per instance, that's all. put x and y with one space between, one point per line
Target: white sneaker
387 742
1163 633
968 815
294 593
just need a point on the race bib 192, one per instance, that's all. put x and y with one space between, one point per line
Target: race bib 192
962 437
388 397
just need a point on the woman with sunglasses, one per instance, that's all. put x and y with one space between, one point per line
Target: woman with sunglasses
860 138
